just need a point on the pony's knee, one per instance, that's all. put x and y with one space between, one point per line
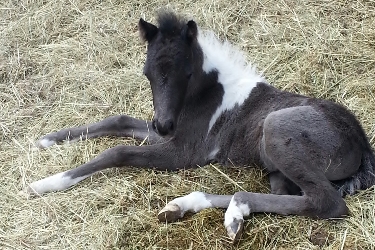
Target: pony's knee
240 198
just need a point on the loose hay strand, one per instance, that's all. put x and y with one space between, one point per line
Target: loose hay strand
66 63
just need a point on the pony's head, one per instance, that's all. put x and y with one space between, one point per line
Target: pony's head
169 66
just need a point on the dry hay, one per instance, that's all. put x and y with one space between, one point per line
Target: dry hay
66 63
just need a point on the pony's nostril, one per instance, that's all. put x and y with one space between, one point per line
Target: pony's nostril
154 125
170 126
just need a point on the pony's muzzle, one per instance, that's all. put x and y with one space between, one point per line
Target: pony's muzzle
163 128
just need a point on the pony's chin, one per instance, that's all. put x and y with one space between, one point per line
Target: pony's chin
167 137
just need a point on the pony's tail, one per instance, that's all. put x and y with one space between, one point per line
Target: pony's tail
363 178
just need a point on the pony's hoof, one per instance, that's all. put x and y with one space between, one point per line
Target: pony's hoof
44 143
170 213
235 229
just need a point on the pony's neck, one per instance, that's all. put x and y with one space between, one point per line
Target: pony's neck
236 76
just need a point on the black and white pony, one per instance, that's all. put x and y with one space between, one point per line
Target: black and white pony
211 106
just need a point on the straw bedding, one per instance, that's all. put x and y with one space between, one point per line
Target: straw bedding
66 63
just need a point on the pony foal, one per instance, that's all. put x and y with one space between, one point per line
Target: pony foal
212 106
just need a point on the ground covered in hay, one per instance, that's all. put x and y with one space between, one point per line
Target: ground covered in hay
68 62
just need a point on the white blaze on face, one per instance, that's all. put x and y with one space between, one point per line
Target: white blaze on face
235 74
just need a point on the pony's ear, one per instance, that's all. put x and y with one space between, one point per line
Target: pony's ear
147 30
191 31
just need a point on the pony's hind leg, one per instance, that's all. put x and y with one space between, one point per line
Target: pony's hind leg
193 202
244 203
121 125
290 145
319 200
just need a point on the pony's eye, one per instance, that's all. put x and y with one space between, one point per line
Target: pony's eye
189 76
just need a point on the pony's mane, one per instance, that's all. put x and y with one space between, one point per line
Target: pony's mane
170 24
224 57
237 76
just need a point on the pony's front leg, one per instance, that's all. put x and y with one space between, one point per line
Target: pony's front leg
193 202
121 125
161 156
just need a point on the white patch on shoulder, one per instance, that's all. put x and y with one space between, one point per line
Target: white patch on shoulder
57 182
193 202
45 143
235 211
237 76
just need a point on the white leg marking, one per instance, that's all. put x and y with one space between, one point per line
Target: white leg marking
235 211
45 143
52 183
193 202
